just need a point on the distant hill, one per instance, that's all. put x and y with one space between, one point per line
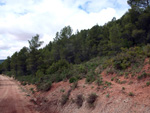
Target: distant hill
1 61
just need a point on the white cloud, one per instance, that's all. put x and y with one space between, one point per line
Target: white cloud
22 19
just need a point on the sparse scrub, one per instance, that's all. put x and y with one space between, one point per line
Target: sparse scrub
148 83
108 83
32 90
112 79
64 99
131 82
123 88
62 90
123 82
44 86
72 79
131 94
143 75
107 95
146 50
79 100
126 76
110 71
99 81
91 99
23 83
91 77
74 85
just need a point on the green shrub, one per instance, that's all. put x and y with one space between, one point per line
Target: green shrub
112 79
99 81
82 69
148 83
127 57
91 77
143 75
9 73
131 94
39 73
108 83
60 65
122 61
146 50
123 88
72 79
44 86
107 95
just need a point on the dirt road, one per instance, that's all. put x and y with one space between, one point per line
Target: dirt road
12 97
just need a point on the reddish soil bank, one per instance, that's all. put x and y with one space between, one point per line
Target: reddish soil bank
13 99
128 95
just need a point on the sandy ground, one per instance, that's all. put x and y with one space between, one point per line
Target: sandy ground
12 97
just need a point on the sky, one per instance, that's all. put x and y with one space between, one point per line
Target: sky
20 20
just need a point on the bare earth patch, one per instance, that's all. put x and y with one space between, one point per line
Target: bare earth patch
13 99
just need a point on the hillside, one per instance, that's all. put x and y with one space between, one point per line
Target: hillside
117 93
1 61
103 69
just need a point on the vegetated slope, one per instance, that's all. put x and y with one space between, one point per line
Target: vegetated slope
1 61
110 59
53 62
115 94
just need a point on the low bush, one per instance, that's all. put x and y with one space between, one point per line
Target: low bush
123 88
148 83
72 79
44 86
131 94
91 99
143 75
60 65
74 85
23 83
91 77
107 95
64 99
79 100
99 81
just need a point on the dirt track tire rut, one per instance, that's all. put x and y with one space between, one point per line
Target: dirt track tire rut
12 99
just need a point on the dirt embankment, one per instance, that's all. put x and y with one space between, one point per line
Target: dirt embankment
12 97
126 95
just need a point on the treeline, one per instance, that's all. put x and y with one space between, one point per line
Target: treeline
67 49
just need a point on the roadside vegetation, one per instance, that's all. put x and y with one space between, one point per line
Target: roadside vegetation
120 47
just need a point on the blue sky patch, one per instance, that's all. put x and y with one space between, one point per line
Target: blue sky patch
84 7
2 3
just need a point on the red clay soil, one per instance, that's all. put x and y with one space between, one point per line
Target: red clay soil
112 99
12 97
